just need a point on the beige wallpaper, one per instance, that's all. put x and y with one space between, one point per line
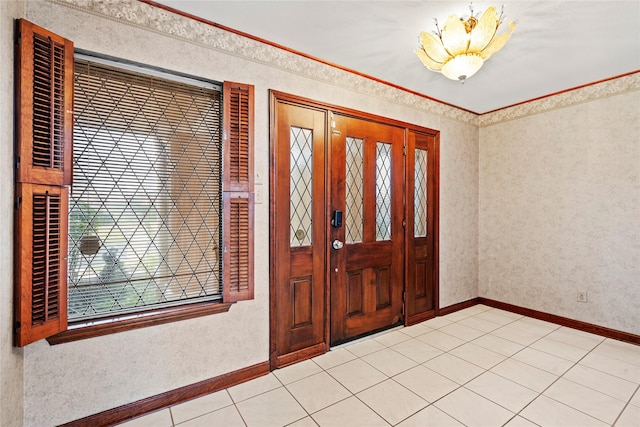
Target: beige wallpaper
560 211
73 380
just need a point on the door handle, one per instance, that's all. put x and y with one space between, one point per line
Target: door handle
337 244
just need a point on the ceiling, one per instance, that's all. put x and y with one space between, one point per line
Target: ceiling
557 45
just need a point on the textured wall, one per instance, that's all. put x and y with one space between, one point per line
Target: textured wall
73 380
560 211
11 366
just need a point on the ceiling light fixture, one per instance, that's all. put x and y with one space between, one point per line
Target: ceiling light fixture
463 45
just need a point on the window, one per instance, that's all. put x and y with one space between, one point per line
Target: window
150 209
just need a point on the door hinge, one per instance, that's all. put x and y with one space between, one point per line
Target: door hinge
16 327
17 162
18 202
404 295
404 223
404 149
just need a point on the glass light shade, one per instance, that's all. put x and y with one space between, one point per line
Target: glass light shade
462 67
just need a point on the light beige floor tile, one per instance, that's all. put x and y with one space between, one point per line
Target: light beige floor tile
502 391
254 387
630 417
349 412
426 383
430 416
436 322
497 316
559 349
523 374
297 371
456 316
576 338
499 345
473 410
601 381
545 361
545 411
228 417
317 392
362 348
305 422
635 400
334 358
477 309
518 421
392 338
518 334
478 355
624 370
465 333
392 401
454 368
587 400
444 342
480 324
200 406
273 408
389 362
416 330
619 350
156 419
417 350
356 375
538 326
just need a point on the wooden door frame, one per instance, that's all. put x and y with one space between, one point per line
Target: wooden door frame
276 97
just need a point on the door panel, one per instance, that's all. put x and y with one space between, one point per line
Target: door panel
366 179
421 251
300 241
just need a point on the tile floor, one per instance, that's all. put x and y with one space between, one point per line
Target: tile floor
477 367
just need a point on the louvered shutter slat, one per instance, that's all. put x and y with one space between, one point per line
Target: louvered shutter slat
44 103
238 195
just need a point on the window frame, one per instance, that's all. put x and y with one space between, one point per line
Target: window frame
238 142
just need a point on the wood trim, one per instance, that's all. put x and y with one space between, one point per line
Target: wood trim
458 306
81 330
560 92
421 317
296 52
563 321
300 355
352 113
144 406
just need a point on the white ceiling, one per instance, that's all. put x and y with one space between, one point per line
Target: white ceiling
557 45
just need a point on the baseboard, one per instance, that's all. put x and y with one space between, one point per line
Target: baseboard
141 407
457 307
563 321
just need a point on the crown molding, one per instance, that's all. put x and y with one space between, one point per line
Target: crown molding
175 25
591 92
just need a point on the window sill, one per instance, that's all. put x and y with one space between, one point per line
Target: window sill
83 330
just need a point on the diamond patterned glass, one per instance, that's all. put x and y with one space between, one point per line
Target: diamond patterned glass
383 191
145 212
355 190
420 194
301 168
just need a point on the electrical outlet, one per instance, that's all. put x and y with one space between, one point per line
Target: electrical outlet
582 296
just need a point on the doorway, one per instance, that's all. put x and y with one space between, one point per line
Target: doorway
353 214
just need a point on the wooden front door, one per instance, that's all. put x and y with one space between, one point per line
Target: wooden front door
366 231
353 215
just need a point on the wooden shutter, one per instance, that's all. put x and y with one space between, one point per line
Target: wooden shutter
238 192
44 125
41 266
44 111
